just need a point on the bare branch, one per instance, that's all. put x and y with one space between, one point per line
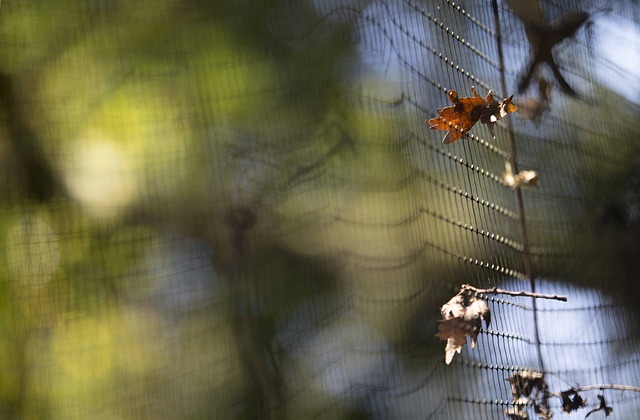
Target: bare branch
617 387
496 291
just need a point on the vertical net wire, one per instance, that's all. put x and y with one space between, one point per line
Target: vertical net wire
237 210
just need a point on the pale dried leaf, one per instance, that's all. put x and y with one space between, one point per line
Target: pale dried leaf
508 176
529 178
476 311
453 347
462 317
454 308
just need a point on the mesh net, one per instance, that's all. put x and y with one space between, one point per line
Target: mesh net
236 209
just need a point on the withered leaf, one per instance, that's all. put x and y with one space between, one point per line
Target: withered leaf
466 112
462 317
457 119
542 410
529 386
455 307
521 178
516 413
572 401
525 382
527 178
602 407
496 110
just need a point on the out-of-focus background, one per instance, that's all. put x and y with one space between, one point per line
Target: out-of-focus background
234 209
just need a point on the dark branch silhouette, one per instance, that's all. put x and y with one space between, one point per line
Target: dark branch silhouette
543 37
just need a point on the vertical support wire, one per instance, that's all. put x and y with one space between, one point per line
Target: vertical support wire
522 225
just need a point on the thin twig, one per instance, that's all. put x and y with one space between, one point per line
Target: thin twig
603 386
496 291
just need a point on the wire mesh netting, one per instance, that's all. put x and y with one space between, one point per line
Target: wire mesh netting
236 210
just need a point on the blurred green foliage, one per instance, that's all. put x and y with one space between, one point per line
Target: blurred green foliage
218 191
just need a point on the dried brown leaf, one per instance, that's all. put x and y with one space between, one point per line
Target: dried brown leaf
462 317
466 112
525 382
496 110
572 401
530 386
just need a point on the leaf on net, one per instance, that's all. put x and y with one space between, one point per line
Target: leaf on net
496 111
519 409
529 386
516 413
542 410
525 382
476 106
466 112
572 401
455 307
506 107
528 178
453 118
462 317
492 108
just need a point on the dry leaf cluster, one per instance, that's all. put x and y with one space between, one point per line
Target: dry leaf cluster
461 317
571 401
528 387
466 112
